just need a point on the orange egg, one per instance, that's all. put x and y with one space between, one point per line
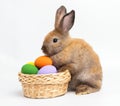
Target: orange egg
43 61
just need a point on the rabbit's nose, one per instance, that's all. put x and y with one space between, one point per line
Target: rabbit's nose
43 48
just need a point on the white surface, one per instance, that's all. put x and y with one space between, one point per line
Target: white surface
23 26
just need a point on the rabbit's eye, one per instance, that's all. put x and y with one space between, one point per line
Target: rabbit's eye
55 40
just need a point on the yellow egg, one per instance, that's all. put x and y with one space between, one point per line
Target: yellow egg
32 63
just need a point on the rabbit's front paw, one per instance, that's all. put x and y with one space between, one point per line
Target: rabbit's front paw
70 67
62 69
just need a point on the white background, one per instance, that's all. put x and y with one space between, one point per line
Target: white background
23 26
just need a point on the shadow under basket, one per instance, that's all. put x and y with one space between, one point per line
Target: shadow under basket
45 85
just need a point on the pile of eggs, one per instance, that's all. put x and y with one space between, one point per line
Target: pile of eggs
42 65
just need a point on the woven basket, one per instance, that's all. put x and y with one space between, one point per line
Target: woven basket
46 85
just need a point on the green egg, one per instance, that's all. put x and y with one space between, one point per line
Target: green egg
29 69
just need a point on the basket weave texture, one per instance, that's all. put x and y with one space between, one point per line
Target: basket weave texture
45 85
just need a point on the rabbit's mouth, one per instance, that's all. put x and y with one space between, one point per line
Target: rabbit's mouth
47 52
44 49
50 51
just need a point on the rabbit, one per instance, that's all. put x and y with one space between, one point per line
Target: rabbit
73 54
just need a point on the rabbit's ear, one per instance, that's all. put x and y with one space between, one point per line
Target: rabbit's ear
67 22
59 15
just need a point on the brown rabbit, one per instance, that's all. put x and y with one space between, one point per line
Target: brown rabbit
73 54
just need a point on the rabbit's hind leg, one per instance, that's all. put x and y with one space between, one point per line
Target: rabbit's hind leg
83 89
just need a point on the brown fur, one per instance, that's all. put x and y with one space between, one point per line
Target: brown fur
73 54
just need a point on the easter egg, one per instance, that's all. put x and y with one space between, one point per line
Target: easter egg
49 69
32 63
43 61
29 69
